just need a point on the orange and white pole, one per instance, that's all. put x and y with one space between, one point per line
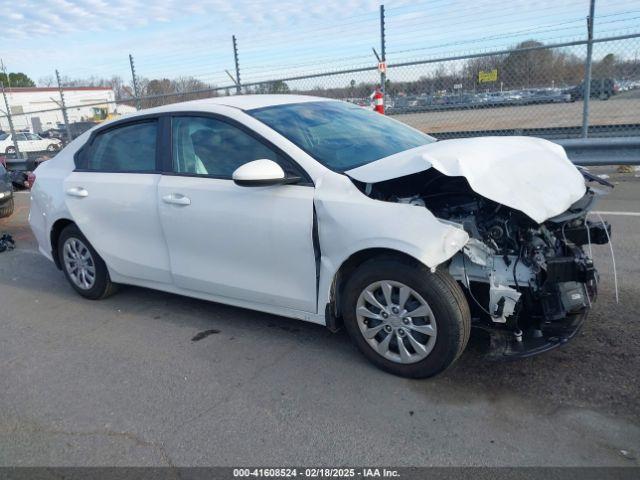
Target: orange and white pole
378 101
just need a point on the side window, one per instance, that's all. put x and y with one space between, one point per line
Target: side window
130 148
20 136
206 146
31 136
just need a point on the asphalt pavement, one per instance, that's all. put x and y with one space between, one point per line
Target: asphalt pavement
149 378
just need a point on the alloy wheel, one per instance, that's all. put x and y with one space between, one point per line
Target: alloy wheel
396 321
79 263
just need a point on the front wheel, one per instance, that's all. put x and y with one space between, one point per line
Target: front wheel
10 150
86 271
404 318
52 148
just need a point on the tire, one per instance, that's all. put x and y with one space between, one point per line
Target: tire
10 150
52 148
95 288
6 209
447 317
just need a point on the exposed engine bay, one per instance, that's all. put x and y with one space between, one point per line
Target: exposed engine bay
529 285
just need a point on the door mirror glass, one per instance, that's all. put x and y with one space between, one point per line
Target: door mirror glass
259 173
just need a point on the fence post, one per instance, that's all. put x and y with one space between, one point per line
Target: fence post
10 120
235 58
136 91
586 90
64 108
383 55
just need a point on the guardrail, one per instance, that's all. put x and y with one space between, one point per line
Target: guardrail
602 151
550 133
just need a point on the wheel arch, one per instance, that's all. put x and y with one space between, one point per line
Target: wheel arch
54 235
349 265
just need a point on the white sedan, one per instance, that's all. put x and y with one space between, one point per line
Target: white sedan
28 142
326 212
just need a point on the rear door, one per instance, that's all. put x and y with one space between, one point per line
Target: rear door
112 197
36 143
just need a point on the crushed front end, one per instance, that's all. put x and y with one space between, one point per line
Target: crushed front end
529 285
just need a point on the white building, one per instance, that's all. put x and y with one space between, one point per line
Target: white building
33 108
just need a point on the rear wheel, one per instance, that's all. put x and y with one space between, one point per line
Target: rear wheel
10 150
83 267
52 148
404 318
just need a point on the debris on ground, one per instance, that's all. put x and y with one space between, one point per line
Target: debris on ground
6 242
19 179
625 169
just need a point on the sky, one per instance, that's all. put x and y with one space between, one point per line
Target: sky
84 38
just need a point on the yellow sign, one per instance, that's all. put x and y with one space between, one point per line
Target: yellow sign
490 76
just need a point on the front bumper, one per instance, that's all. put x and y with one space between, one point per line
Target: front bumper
505 345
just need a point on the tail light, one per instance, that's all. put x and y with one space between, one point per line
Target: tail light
3 161
31 179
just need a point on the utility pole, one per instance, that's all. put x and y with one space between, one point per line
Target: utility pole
383 55
64 107
10 120
237 62
586 89
136 91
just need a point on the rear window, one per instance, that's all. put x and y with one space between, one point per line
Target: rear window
129 148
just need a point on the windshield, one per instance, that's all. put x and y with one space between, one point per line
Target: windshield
340 135
3 136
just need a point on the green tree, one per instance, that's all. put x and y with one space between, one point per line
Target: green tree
18 79
273 87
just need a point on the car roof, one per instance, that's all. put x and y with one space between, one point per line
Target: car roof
242 102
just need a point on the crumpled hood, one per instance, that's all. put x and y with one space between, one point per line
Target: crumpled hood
524 173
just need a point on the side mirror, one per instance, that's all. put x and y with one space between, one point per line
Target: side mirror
259 173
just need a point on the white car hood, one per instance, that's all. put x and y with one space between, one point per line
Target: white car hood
525 173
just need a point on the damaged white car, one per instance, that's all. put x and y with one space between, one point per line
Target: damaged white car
323 211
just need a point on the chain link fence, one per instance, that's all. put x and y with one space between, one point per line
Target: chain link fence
532 89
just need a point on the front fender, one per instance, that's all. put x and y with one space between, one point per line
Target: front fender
349 222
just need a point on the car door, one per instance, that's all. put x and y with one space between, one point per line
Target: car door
36 144
112 197
247 244
24 145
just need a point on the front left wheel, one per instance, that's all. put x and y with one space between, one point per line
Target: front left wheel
404 318
85 270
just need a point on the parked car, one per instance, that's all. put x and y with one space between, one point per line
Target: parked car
28 142
602 88
6 190
53 133
327 212
76 129
548 95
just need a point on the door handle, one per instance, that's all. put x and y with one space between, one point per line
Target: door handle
176 199
79 192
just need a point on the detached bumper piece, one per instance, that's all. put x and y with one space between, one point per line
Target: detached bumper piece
504 345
